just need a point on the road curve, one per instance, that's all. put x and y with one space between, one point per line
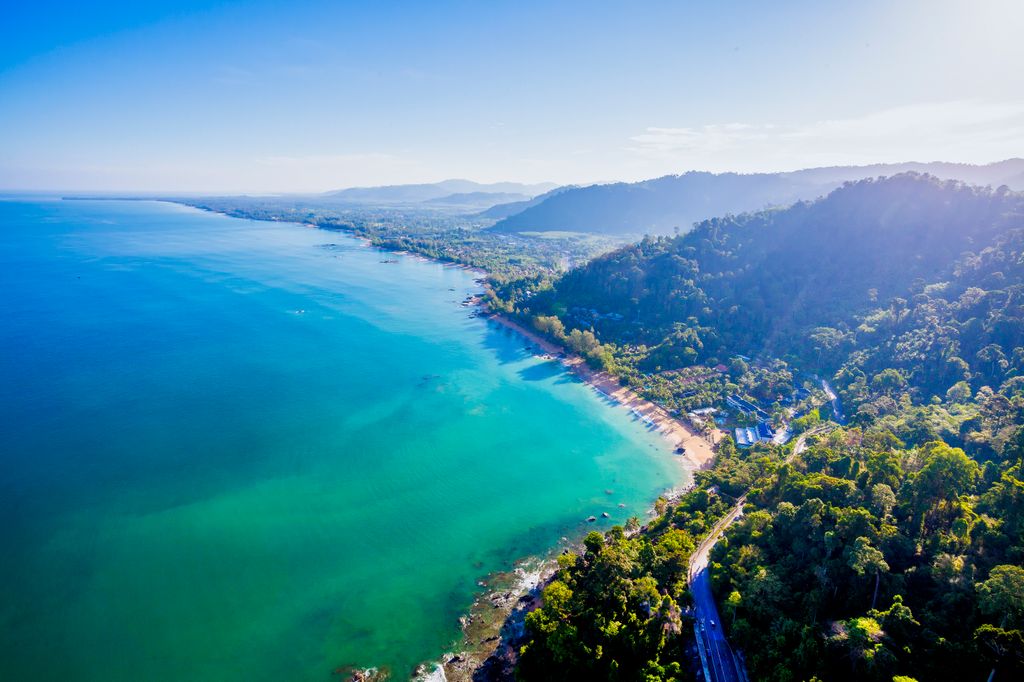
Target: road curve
717 657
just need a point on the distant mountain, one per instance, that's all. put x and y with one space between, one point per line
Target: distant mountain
1009 172
416 194
505 210
477 200
662 205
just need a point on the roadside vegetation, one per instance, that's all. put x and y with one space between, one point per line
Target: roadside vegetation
620 608
890 549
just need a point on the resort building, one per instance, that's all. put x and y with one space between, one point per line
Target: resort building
749 435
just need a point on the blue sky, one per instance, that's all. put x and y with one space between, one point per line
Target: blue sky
309 96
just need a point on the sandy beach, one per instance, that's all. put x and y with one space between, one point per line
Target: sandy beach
492 628
698 451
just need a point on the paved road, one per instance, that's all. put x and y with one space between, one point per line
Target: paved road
722 664
837 407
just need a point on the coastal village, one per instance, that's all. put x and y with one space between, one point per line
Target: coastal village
694 433
719 399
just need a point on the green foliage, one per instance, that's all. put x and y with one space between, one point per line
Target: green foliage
1004 648
909 292
611 612
617 608
436 234
902 287
549 325
1002 595
848 526
808 421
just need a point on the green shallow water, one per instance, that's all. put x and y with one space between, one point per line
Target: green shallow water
236 450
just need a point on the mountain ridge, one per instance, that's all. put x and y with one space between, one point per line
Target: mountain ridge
423 192
771 281
674 203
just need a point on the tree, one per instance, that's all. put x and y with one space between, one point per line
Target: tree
827 341
888 381
1003 645
801 424
593 542
947 474
582 342
883 499
550 326
898 620
993 359
1002 595
866 559
960 392
733 601
861 638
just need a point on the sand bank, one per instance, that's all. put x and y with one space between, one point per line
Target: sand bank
698 449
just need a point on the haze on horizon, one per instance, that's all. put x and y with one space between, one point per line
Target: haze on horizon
252 96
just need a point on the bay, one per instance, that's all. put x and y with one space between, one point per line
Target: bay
240 450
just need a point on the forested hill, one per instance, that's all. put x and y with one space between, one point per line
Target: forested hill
673 203
500 211
909 272
891 549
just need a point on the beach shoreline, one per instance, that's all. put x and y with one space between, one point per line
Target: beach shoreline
698 451
491 627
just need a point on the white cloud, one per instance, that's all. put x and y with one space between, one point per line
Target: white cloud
966 131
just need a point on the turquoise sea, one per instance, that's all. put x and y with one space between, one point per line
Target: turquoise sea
239 450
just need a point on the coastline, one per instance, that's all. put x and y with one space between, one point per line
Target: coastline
699 453
491 628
